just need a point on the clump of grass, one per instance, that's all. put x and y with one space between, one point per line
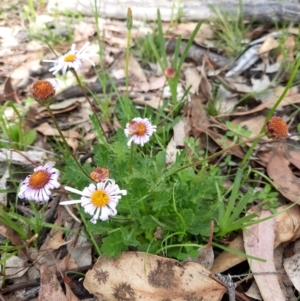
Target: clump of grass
231 30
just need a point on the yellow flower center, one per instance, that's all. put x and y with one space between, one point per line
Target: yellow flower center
39 179
70 58
99 198
42 90
137 128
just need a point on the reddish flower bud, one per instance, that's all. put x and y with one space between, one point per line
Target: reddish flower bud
276 128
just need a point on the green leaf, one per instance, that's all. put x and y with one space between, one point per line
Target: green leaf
30 137
113 245
129 237
14 133
188 216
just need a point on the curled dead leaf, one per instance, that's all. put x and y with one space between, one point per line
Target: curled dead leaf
287 224
269 44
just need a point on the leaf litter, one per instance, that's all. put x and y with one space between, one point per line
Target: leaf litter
156 277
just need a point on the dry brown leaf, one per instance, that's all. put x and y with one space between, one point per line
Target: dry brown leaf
269 44
179 133
289 44
135 70
287 224
259 241
192 79
58 108
15 267
218 139
185 30
199 117
13 236
83 31
239 84
253 292
206 256
153 102
19 158
64 105
69 294
157 83
227 260
47 130
205 87
279 171
9 91
21 71
291 266
288 100
292 152
55 238
73 143
150 278
251 123
50 288
260 85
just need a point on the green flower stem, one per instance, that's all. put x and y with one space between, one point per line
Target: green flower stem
161 94
131 158
89 101
129 27
90 233
216 154
64 140
176 211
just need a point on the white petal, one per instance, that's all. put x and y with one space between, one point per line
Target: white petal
90 209
129 142
96 215
71 202
73 190
84 47
105 212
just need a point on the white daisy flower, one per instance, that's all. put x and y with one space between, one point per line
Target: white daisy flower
139 130
99 200
37 186
72 59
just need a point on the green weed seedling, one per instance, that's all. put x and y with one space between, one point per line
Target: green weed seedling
13 132
230 216
177 62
